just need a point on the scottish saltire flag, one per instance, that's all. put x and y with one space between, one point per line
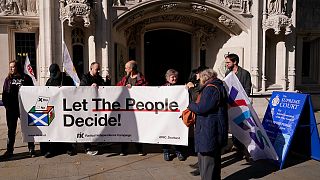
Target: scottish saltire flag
68 65
244 122
28 70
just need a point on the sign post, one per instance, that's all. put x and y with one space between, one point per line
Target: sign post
289 120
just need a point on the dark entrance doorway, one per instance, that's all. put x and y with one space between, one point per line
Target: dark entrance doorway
167 49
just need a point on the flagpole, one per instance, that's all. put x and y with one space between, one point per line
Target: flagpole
62 49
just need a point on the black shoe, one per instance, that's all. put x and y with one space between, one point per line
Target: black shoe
195 172
194 166
166 156
32 153
48 155
71 152
180 156
8 154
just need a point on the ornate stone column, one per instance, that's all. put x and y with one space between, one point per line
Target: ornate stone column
281 57
45 36
263 66
275 18
106 45
255 47
92 49
195 61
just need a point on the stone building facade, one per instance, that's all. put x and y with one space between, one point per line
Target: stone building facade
277 40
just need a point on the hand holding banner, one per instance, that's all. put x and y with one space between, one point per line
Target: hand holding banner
244 122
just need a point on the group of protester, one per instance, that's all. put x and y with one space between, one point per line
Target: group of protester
207 99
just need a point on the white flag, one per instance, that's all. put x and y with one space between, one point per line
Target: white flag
68 65
244 122
28 70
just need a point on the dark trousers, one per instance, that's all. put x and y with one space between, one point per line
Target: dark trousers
210 165
240 147
56 147
166 148
12 121
87 146
125 146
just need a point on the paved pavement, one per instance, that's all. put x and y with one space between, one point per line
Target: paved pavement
109 165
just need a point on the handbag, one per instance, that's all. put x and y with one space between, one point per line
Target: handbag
189 117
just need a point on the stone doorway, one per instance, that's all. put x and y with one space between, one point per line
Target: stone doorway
166 49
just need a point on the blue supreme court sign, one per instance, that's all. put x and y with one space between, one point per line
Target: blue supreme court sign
291 125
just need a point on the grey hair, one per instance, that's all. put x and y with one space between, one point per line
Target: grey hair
133 65
171 72
207 74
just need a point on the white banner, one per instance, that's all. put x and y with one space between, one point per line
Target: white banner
107 114
244 121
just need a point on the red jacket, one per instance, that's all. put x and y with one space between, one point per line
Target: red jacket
141 81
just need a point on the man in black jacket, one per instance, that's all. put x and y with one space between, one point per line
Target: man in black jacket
57 78
93 79
232 63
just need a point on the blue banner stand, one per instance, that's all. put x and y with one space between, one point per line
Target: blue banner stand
315 141
290 124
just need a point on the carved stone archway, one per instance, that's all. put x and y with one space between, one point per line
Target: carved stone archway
199 18
219 14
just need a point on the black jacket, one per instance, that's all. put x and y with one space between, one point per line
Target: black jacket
88 80
11 88
66 80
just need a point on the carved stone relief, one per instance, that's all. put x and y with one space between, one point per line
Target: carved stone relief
241 6
229 23
203 29
277 23
168 7
23 25
19 7
277 7
277 17
71 9
199 9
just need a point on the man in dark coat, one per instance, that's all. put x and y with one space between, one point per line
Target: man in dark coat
15 79
93 79
232 63
57 78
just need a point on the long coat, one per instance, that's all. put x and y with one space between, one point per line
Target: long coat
211 130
